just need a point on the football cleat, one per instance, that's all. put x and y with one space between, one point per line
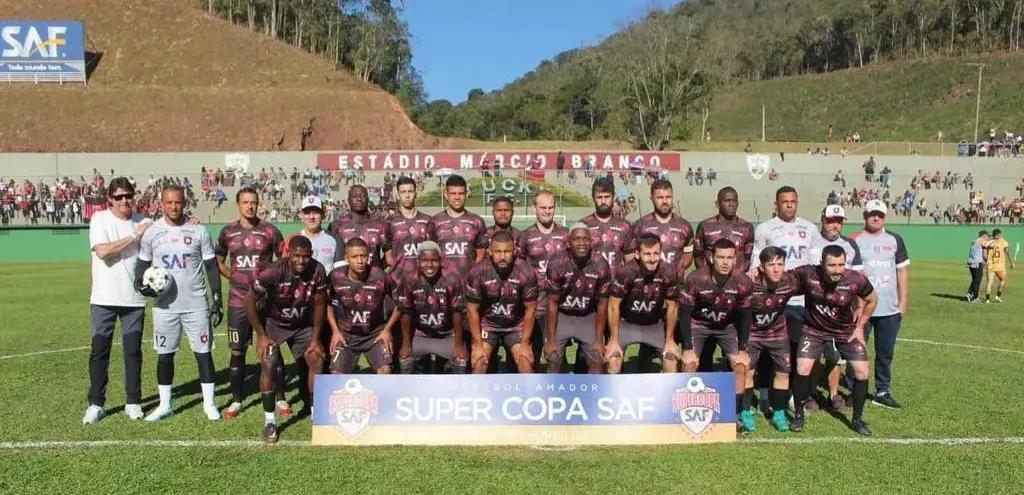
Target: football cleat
886 400
159 413
798 423
211 411
233 410
780 421
134 411
93 414
270 432
283 408
746 421
861 427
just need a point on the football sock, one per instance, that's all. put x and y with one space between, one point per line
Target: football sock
747 398
165 369
279 380
860 395
999 293
801 390
165 395
779 399
269 407
236 374
205 362
207 393
763 395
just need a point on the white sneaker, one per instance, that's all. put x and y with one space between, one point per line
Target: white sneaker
93 414
211 411
159 413
998 299
134 411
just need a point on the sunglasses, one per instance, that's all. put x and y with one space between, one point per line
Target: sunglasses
122 197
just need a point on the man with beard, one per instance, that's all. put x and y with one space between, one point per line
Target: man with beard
363 225
406 230
579 281
501 303
642 309
712 306
772 288
460 233
675 232
502 211
725 225
833 293
537 245
294 295
357 318
244 248
432 307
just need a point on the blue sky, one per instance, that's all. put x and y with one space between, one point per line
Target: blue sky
459 45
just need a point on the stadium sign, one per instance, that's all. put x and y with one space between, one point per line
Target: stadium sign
535 409
40 52
505 160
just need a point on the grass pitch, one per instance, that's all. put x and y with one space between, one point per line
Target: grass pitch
956 372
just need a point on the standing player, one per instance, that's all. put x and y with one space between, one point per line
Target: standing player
772 288
406 231
833 292
501 303
460 233
502 211
324 244
886 265
537 245
294 294
432 307
795 236
642 309
996 256
712 306
358 322
244 247
184 251
579 281
724 225
675 232
361 224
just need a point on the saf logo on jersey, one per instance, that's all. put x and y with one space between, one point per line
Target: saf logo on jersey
576 302
360 317
455 248
498 309
353 406
697 405
249 262
174 261
293 313
643 306
432 320
763 320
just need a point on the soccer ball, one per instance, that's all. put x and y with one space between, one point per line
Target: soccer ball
156 278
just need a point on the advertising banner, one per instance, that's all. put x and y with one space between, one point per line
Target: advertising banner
537 409
42 51
490 160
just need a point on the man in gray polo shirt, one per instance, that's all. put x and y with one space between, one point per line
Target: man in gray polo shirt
885 264
976 265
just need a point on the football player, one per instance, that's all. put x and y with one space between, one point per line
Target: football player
725 225
537 245
459 232
357 318
359 223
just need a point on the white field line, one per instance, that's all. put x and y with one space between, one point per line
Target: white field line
196 444
67 349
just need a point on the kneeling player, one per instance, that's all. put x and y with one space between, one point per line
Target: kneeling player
713 299
642 308
358 323
501 303
832 292
183 250
295 293
579 281
767 302
432 307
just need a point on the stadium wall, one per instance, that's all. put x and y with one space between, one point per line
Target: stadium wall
925 242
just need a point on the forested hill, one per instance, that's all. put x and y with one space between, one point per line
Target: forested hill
656 80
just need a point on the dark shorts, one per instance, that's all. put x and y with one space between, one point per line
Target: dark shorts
345 358
794 322
298 340
778 350
508 338
648 335
812 346
725 338
442 347
239 329
579 329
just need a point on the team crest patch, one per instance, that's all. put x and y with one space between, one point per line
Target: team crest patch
697 405
353 406
758 165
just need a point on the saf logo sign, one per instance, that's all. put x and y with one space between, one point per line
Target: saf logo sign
697 405
174 261
764 320
576 302
412 251
293 313
433 320
29 43
643 306
505 310
456 249
360 317
715 316
247 262
795 252
352 407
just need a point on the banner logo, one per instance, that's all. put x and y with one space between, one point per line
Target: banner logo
353 406
697 406
42 51
758 165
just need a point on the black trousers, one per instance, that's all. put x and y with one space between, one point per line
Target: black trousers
976 274
103 320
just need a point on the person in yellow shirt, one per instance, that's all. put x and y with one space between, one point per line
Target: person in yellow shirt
997 254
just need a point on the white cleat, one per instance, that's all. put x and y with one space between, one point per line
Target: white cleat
93 414
211 411
159 413
134 411
998 299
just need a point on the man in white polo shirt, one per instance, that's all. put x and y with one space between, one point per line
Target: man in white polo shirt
114 236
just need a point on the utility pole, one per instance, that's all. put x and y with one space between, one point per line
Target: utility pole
977 106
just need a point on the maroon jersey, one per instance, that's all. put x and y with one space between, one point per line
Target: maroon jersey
738 231
830 308
643 295
538 248
609 238
768 306
494 228
359 304
460 237
713 305
676 236
431 304
502 301
578 287
370 229
404 236
246 252
289 295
